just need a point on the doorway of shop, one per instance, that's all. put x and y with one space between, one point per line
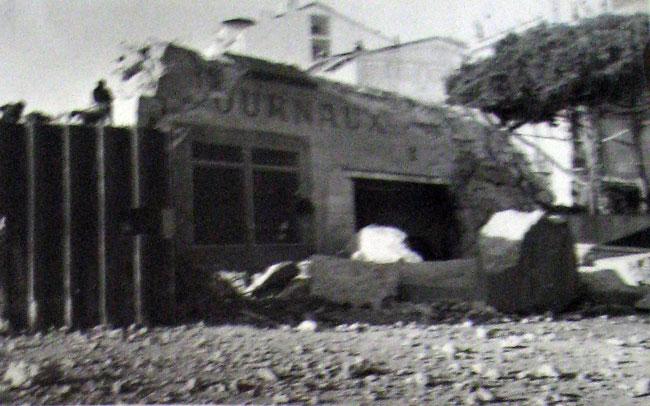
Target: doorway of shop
425 212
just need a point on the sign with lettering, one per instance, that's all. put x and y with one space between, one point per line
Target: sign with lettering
299 109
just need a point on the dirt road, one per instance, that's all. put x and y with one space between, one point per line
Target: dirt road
590 361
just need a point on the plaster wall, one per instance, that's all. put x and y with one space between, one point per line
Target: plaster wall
287 38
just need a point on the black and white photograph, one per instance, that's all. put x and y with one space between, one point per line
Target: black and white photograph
330 202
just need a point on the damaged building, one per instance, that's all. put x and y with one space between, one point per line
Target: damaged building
272 164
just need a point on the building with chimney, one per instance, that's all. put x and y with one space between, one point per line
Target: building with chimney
300 35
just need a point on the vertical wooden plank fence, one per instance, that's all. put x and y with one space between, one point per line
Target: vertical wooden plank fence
87 238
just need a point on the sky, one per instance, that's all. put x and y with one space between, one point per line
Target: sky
52 52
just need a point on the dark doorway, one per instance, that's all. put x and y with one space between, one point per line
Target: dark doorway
425 212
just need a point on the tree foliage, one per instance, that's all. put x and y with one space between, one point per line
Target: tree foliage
551 67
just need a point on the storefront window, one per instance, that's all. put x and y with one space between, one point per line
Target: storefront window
275 207
223 208
218 202
218 184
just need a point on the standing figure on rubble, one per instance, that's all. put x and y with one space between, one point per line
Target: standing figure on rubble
103 100
101 112
11 113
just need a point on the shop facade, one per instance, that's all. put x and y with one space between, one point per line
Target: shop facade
270 164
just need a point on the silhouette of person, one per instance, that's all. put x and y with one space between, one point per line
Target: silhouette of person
103 99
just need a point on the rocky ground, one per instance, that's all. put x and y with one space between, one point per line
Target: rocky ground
436 356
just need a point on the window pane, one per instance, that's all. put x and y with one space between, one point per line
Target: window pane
320 25
219 206
275 207
216 152
274 157
320 48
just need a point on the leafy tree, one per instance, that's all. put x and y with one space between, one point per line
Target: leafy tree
551 69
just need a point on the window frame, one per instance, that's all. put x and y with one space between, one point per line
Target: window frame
247 141
320 20
322 40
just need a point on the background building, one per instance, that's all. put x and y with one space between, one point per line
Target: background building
415 69
299 36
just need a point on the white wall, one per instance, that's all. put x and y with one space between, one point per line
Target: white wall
417 71
287 38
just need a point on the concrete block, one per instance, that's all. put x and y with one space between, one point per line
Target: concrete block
344 281
439 280
527 262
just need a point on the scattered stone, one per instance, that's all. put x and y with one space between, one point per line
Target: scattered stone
241 385
546 371
454 367
482 333
115 334
267 375
216 357
478 369
513 341
634 340
616 341
358 327
4 325
492 374
308 326
641 387
165 337
190 385
118 387
19 374
202 341
422 355
64 390
360 367
403 372
421 380
281 398
484 395
449 349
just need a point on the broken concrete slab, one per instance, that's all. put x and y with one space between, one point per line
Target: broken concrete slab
275 279
439 280
607 288
631 269
527 262
358 283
